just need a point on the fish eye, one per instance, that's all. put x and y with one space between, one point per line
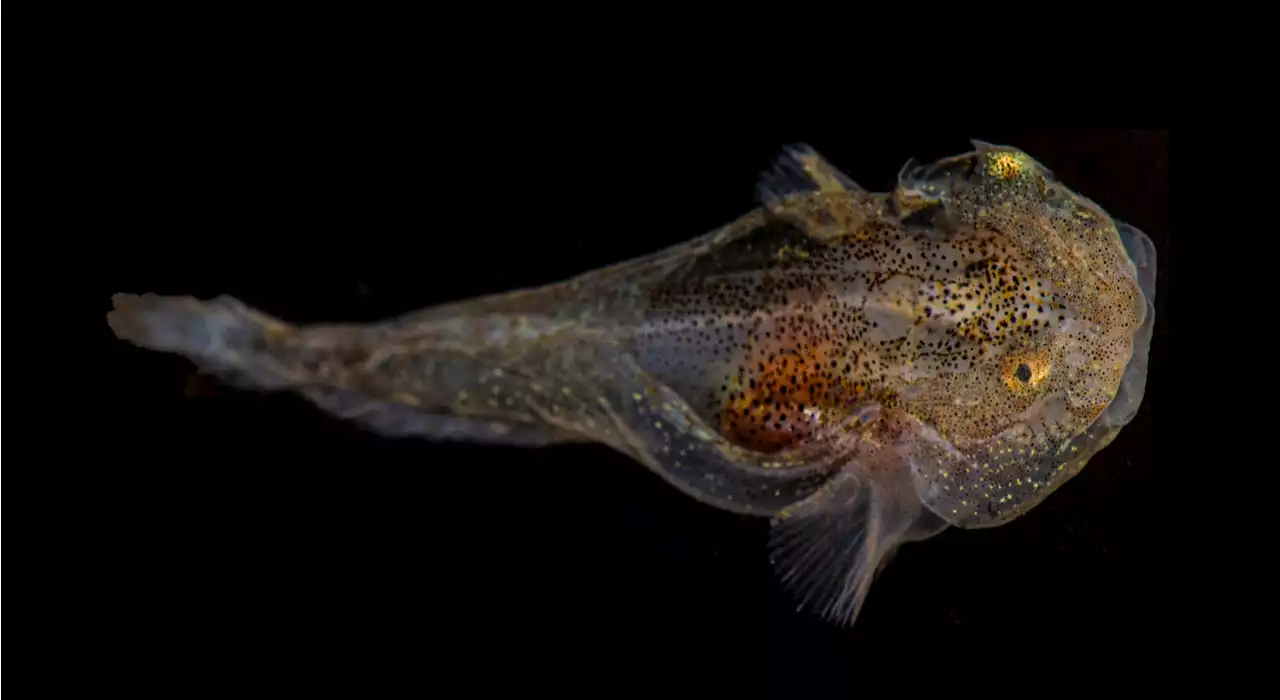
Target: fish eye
1025 371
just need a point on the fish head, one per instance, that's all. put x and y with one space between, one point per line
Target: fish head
1055 342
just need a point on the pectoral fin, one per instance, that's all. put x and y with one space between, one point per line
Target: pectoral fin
828 548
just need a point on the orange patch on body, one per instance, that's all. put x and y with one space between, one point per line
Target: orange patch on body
791 398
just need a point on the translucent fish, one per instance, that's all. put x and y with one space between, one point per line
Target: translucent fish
865 369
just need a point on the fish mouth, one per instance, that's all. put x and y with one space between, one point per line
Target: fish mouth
1142 253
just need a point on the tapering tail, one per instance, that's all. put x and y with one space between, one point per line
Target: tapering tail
527 368
397 378
221 335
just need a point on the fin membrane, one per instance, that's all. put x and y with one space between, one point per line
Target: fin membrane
801 170
828 548
221 336
396 420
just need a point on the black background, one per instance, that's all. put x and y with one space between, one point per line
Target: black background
246 539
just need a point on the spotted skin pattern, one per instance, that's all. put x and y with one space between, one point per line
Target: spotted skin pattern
866 369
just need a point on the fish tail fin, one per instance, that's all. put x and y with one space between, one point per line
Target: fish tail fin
221 335
431 378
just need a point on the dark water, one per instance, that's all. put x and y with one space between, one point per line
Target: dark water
252 537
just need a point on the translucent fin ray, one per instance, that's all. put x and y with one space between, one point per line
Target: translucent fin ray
828 549
799 169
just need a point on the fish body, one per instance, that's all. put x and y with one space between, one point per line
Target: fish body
865 369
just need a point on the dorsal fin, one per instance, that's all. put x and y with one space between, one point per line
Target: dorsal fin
799 169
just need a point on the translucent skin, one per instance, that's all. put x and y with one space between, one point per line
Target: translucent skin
864 368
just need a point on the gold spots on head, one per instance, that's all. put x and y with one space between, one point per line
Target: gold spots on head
910 201
1005 165
792 251
1025 371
